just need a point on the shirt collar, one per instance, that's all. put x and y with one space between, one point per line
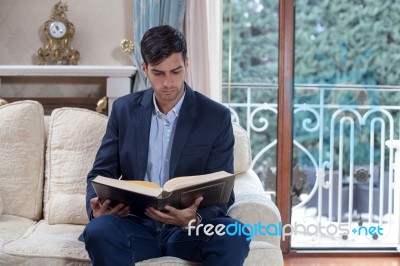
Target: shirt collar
174 110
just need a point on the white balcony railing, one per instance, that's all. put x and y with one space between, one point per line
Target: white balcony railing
343 171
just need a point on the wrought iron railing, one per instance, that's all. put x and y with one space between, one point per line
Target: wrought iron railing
342 167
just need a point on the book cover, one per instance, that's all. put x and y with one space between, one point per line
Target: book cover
179 192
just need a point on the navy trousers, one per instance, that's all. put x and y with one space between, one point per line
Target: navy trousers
111 240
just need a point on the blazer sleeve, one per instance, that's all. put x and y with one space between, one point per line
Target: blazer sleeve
107 158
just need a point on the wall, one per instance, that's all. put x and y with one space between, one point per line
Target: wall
100 25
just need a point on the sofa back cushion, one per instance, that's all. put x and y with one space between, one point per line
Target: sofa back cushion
22 158
242 149
73 140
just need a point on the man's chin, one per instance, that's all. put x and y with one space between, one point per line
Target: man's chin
169 95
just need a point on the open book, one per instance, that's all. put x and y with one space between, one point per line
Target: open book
179 192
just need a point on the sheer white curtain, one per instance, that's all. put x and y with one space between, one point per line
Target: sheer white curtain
203 32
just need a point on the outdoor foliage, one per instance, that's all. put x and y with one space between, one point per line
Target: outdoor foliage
347 42
336 42
254 41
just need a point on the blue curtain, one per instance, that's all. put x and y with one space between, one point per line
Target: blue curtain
148 14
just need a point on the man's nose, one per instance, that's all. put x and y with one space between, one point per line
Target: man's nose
168 81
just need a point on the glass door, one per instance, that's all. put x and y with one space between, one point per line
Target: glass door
346 115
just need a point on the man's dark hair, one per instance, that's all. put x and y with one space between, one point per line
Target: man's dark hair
158 43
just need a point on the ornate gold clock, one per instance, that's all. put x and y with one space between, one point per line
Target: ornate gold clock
58 32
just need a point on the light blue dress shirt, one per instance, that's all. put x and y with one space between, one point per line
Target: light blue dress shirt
162 131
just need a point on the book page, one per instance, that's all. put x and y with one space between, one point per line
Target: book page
143 183
137 187
187 181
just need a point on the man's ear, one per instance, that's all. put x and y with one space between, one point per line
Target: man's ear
186 62
144 68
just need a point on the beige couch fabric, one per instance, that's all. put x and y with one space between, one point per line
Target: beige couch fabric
242 150
73 140
1 205
21 157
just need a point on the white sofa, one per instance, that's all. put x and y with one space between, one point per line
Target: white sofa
44 163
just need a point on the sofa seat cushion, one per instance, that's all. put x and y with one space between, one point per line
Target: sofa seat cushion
13 227
22 158
52 243
49 241
59 245
259 251
166 261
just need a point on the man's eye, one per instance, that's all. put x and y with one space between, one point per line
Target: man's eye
176 72
157 74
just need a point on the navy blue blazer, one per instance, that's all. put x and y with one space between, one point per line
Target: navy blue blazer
203 142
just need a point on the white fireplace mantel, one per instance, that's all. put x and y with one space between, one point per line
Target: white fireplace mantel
118 77
66 71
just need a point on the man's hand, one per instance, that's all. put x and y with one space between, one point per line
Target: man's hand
174 216
104 209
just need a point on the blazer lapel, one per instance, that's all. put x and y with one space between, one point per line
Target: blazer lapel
187 116
143 122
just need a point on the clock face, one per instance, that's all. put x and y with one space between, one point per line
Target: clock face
57 29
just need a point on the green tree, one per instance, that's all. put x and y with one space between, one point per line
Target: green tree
254 41
347 42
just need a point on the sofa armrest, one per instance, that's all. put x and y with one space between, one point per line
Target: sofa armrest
252 206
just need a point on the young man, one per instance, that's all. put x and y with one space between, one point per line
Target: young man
165 131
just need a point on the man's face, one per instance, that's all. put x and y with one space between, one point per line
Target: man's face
167 79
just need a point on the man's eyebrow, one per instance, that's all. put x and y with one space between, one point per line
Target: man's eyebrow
179 67
160 71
